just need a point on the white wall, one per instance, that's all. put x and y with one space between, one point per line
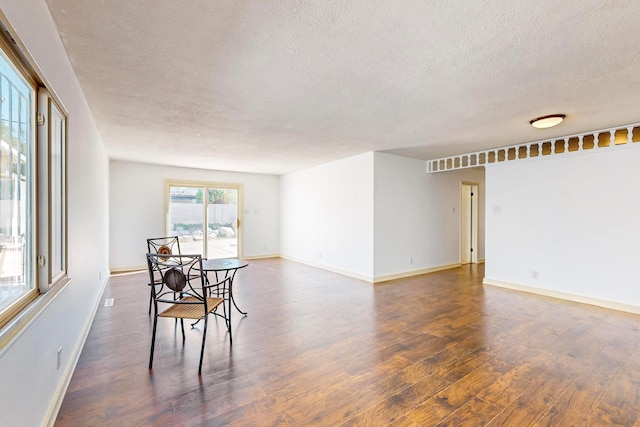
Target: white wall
369 215
137 203
572 218
29 379
417 215
327 216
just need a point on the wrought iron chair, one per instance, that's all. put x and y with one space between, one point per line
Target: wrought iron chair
180 292
165 246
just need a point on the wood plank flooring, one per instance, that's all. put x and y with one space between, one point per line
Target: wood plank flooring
320 349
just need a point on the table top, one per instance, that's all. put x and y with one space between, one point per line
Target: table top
223 264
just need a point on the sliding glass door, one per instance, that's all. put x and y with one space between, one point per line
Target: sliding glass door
222 220
205 218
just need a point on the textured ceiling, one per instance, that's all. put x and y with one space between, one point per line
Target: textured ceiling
278 86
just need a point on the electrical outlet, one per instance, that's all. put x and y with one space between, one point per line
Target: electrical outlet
411 261
534 275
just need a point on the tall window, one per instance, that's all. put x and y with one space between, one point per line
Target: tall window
33 254
17 190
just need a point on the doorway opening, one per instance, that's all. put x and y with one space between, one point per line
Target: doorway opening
468 223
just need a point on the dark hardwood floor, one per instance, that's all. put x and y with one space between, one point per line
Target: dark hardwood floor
322 349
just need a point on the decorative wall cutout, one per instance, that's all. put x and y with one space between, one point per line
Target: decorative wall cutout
607 139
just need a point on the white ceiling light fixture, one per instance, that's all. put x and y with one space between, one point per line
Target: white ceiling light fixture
547 121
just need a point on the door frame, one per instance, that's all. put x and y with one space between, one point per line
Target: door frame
469 190
208 184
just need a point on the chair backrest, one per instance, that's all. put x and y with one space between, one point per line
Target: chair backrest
175 274
164 245
168 245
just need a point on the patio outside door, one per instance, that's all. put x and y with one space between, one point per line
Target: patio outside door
205 218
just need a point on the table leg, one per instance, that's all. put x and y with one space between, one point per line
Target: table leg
227 309
233 275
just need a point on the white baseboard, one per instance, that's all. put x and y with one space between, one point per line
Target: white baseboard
415 272
58 397
138 268
130 269
333 270
371 279
564 296
262 256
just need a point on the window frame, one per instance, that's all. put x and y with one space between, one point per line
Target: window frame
47 277
239 187
46 285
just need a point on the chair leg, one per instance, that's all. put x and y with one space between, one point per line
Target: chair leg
182 327
153 341
204 337
150 300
